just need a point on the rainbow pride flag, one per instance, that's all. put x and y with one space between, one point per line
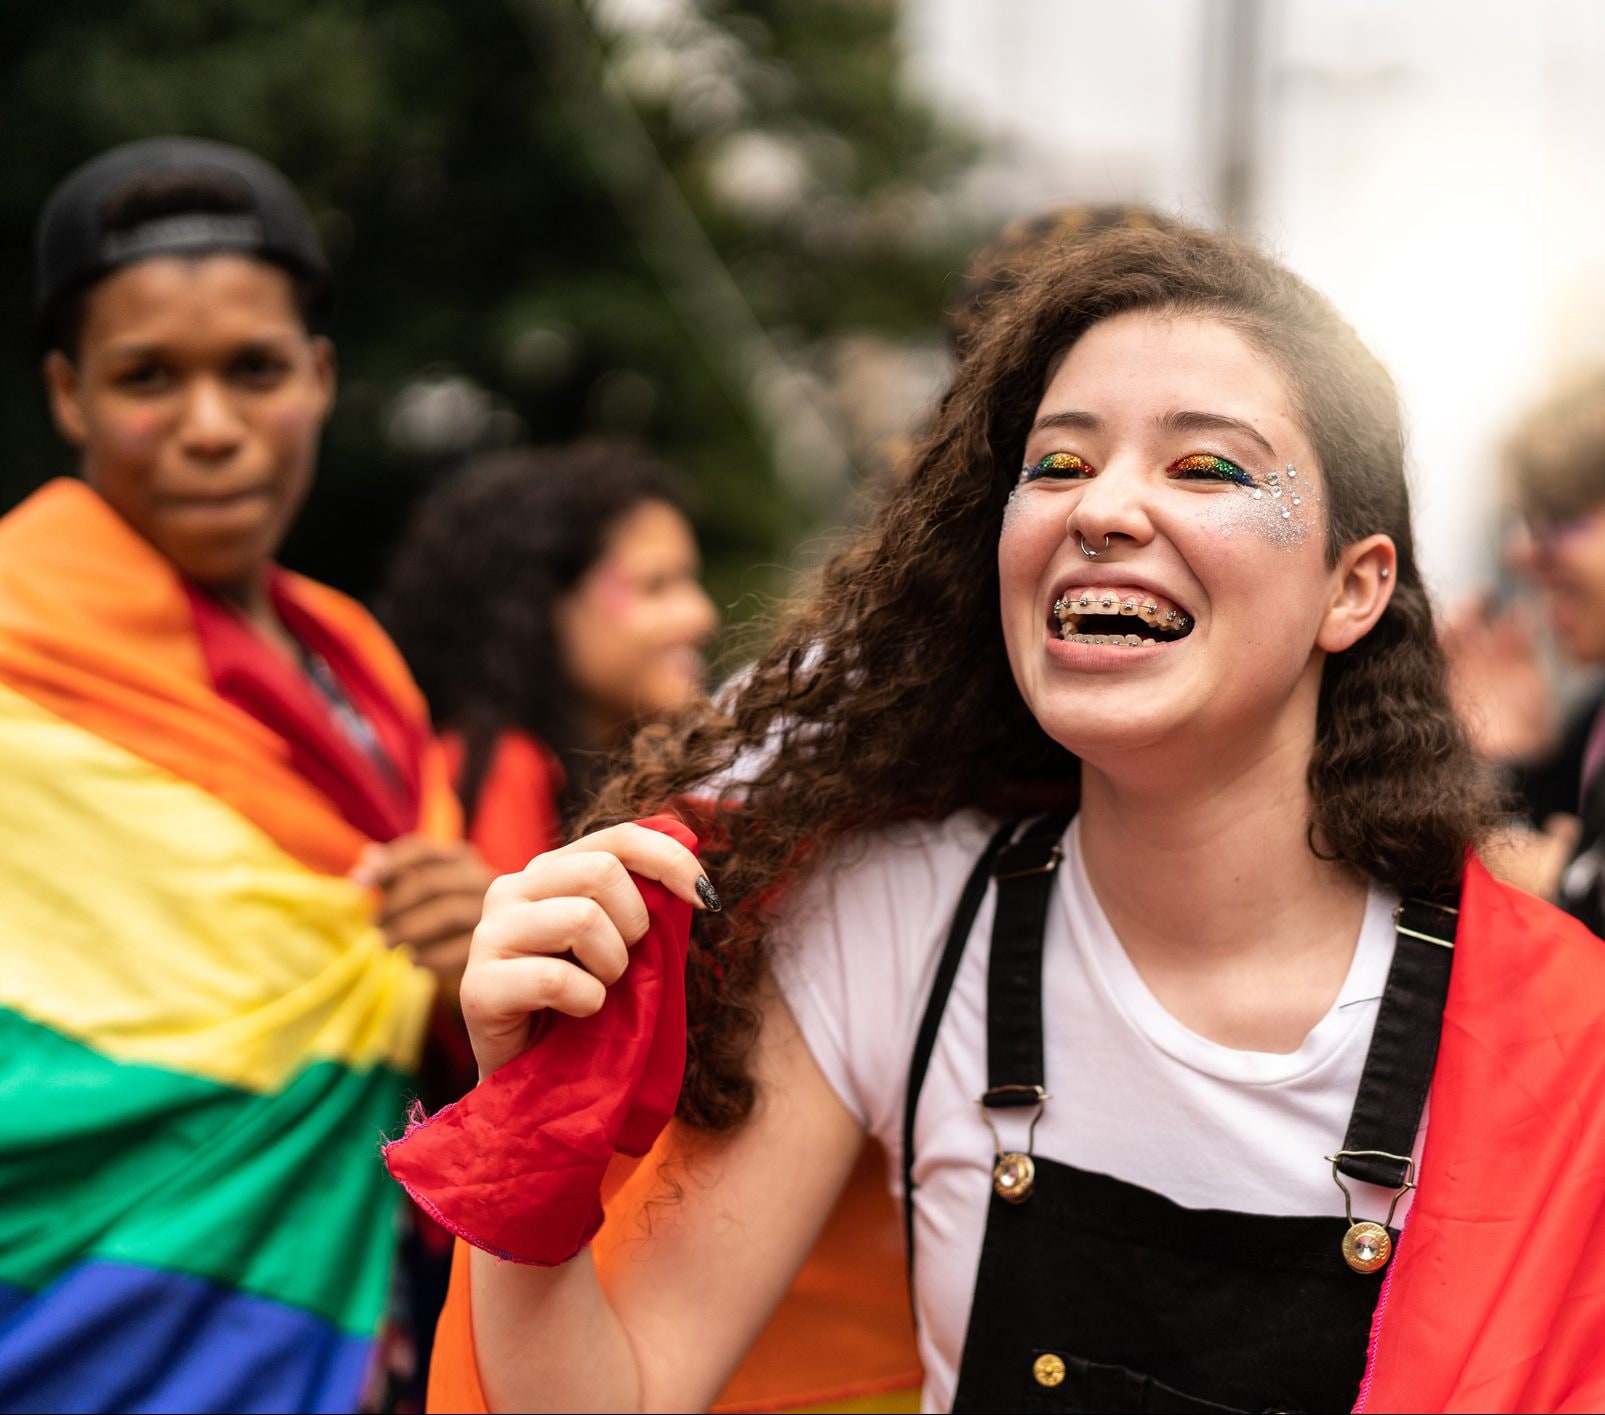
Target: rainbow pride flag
202 1034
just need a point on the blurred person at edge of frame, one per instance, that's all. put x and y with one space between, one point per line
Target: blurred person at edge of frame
1555 466
229 849
547 601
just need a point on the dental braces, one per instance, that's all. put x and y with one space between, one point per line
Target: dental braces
1111 604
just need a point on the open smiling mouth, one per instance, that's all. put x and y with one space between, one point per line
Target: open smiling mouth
1106 616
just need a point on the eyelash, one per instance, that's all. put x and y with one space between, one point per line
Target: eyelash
1206 464
1196 466
1057 465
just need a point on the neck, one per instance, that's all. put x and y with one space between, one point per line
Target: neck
1205 872
255 605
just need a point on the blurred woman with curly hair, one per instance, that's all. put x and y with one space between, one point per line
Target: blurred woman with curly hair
547 600
1105 848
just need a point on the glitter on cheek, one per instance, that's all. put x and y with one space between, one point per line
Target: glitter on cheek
1275 512
1011 510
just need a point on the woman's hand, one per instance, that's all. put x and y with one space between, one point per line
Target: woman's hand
1498 684
557 934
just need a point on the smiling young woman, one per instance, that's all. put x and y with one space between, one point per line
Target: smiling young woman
1153 1066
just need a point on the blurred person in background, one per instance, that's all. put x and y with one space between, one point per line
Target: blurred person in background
1555 465
221 813
547 601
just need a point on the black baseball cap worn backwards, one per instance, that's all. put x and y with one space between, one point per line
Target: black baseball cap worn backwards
75 245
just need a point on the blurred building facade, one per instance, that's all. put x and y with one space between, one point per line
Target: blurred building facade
1433 167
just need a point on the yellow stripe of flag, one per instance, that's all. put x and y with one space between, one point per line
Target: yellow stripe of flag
151 921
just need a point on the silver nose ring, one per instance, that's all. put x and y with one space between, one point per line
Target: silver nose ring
1091 554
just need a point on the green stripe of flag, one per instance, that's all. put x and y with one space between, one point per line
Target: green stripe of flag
283 1195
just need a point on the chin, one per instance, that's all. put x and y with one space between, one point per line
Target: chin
221 568
1100 733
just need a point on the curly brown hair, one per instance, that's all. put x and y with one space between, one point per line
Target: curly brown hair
474 585
886 693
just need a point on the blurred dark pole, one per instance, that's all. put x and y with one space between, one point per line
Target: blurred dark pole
1242 39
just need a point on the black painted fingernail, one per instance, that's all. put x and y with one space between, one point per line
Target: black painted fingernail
708 894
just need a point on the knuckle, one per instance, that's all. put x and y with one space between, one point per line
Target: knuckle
581 916
596 869
503 890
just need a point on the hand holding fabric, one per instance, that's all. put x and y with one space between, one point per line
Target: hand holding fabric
578 1058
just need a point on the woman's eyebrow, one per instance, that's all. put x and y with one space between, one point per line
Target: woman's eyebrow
1081 422
1183 421
1189 421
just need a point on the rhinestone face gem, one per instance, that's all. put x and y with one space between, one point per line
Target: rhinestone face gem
1013 1177
1367 1247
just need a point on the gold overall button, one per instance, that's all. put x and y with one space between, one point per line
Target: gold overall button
1014 1176
1367 1247
1048 1369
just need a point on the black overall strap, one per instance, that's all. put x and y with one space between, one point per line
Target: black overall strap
925 1040
1025 868
1025 874
1404 1048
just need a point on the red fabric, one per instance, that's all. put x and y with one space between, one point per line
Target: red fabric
1496 1298
245 673
516 1166
515 817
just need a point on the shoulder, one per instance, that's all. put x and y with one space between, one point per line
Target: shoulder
904 874
854 947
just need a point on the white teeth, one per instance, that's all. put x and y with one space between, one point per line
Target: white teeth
1071 611
1150 643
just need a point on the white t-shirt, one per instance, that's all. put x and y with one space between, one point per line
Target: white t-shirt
1134 1093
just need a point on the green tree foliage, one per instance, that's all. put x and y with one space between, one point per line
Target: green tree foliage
641 216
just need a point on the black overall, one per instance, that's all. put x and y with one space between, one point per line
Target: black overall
1098 1295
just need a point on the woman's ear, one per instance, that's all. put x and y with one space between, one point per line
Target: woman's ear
1363 583
66 407
324 371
